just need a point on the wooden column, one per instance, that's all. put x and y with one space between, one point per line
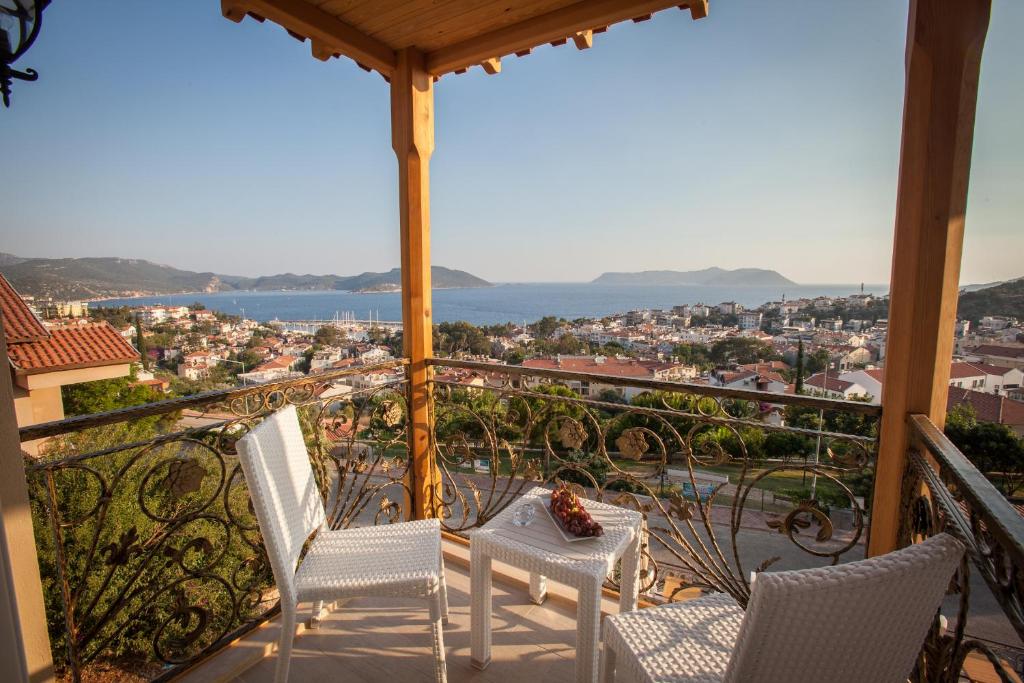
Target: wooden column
412 136
944 45
24 640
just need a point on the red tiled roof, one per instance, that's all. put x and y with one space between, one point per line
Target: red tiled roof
33 349
832 383
20 323
961 370
67 348
992 369
619 367
987 407
999 351
279 363
770 366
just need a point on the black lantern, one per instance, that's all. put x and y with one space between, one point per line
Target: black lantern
19 25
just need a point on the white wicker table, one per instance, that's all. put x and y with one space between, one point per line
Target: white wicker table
540 549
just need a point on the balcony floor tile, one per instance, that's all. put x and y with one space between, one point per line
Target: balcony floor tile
389 640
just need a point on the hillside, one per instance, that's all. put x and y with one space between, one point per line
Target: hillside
87 278
1004 299
986 285
707 276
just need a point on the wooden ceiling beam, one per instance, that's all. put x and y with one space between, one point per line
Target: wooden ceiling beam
492 66
583 40
329 34
698 8
525 35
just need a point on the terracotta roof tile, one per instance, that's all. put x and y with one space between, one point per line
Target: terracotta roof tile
20 323
833 383
988 407
999 351
618 367
67 348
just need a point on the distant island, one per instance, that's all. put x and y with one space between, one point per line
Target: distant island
109 277
708 276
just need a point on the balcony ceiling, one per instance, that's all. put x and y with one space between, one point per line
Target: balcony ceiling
453 34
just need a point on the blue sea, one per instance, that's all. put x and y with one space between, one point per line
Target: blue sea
515 302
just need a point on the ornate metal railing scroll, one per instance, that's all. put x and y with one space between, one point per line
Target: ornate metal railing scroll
150 555
798 467
944 492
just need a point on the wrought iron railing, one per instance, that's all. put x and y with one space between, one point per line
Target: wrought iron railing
800 466
944 492
150 555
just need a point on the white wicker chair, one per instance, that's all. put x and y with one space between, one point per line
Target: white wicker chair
394 560
855 622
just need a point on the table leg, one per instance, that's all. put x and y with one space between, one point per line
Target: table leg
480 606
538 588
629 582
588 628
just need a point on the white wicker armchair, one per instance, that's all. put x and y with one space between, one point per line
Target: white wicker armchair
854 622
396 560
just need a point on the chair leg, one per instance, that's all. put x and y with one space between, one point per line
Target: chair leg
444 594
437 630
315 613
607 674
284 648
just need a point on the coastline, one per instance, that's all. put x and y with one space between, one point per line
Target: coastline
496 304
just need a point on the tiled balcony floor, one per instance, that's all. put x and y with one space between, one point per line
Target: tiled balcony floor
388 640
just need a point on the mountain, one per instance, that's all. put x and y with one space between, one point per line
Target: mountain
708 276
90 278
1003 299
987 285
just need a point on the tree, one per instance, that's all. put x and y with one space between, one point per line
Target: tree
742 350
461 337
545 327
817 361
104 395
693 354
140 343
568 345
328 335
800 367
992 447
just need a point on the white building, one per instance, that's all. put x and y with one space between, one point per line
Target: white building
750 320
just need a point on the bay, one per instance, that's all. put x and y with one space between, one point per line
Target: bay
513 302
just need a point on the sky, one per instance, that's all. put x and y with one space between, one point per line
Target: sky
752 138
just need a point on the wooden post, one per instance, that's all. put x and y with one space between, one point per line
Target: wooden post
944 45
412 136
24 640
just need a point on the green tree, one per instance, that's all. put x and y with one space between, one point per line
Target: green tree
992 447
800 367
328 335
693 354
568 345
140 343
817 361
104 395
461 337
543 328
742 350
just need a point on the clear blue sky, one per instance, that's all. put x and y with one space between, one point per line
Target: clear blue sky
762 136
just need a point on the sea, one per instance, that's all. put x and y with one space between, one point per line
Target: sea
512 302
